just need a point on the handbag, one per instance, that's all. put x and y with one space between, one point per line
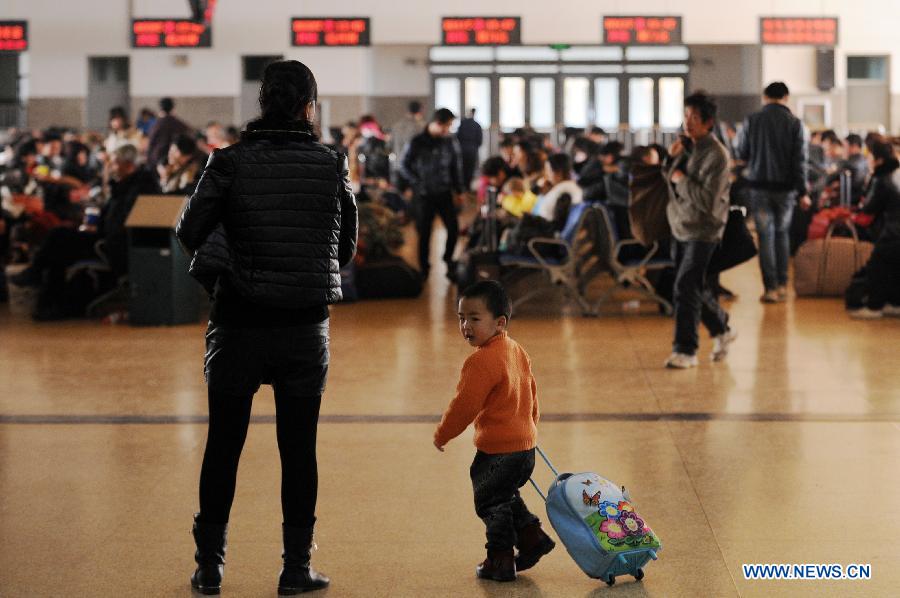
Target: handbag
737 244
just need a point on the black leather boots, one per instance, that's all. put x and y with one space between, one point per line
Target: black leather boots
210 556
297 576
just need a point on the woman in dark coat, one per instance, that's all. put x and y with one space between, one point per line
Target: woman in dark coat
883 205
284 203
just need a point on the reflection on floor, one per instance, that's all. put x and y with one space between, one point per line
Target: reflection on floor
786 453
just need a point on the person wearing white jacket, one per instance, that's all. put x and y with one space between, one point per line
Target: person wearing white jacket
559 174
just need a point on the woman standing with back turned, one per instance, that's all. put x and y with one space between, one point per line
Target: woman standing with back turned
289 216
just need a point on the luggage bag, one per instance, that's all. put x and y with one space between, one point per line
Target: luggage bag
598 525
825 267
482 261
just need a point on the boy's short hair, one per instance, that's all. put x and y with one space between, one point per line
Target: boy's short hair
514 185
854 139
494 296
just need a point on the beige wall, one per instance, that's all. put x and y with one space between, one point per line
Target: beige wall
62 112
391 109
196 111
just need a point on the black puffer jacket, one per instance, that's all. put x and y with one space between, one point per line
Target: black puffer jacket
288 214
433 165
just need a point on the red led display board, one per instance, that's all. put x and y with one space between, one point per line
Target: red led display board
791 31
341 31
642 31
13 36
170 33
481 31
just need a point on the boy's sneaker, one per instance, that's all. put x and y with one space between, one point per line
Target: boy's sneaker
720 344
681 361
782 293
892 311
500 565
865 314
533 543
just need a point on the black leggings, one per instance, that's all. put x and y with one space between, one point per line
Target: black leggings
296 422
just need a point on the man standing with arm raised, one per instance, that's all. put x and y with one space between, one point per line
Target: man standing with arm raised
697 212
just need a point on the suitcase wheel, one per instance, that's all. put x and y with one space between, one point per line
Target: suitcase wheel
639 574
611 580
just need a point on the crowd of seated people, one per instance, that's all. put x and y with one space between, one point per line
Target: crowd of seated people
48 179
600 171
66 196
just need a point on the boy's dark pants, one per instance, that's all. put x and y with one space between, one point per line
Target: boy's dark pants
496 480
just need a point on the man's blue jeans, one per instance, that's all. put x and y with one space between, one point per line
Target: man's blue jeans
772 212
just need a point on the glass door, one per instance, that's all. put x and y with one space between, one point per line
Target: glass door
542 104
640 103
671 102
576 102
478 96
512 103
606 103
448 94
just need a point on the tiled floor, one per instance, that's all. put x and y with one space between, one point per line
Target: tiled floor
786 453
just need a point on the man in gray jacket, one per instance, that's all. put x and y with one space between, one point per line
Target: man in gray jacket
773 144
698 178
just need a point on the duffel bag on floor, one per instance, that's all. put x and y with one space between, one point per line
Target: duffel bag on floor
824 267
389 277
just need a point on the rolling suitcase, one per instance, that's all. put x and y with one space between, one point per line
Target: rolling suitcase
482 261
598 525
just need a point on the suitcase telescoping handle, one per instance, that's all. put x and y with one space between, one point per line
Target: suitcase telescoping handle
550 465
546 459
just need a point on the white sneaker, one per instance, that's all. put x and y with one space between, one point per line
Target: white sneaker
772 297
865 313
681 361
782 293
891 310
721 342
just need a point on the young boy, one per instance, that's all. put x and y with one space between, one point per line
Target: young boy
497 391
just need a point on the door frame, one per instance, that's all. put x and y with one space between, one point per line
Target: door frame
556 69
127 105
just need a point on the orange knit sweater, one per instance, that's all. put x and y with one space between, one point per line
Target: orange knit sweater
497 391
